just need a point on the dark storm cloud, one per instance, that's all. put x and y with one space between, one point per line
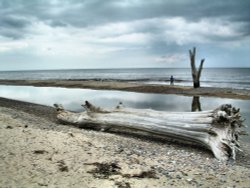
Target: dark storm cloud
99 11
13 27
17 14
80 13
13 22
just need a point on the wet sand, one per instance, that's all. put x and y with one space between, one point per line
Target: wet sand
136 87
37 151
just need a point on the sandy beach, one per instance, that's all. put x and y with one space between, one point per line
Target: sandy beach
136 87
124 94
37 151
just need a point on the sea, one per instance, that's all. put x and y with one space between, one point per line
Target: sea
72 98
238 78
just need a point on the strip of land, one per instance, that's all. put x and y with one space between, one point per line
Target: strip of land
135 87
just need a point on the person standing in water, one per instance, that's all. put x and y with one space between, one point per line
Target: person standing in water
171 80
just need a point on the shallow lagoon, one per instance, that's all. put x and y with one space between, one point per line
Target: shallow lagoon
73 98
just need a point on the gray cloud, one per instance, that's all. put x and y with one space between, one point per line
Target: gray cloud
13 22
17 14
13 26
91 12
157 27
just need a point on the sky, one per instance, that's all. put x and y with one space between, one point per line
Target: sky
81 34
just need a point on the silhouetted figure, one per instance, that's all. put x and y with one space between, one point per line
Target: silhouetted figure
171 80
196 105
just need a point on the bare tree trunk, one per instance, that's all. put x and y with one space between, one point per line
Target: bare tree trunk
216 129
195 73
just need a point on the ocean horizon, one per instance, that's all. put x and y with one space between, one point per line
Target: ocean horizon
238 78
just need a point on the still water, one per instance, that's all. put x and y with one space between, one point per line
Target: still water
73 98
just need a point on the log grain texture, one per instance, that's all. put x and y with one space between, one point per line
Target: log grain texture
218 129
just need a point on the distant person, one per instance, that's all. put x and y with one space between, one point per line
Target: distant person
171 80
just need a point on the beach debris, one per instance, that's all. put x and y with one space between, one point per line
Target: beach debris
104 170
9 127
40 152
218 130
71 134
143 174
123 184
62 166
196 74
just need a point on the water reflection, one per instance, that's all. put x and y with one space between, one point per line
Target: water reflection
196 105
73 98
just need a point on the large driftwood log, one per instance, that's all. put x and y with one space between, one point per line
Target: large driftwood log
217 129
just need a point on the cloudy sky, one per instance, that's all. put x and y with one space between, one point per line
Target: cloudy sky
56 34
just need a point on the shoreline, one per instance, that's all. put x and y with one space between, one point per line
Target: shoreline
135 87
38 151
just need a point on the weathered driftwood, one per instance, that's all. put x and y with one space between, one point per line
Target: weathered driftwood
217 129
196 74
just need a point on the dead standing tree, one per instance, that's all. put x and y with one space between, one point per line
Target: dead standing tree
195 73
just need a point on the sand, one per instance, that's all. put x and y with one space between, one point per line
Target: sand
135 86
37 151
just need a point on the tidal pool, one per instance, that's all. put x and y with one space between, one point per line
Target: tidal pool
73 98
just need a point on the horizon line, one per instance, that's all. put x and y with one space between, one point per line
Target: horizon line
58 69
